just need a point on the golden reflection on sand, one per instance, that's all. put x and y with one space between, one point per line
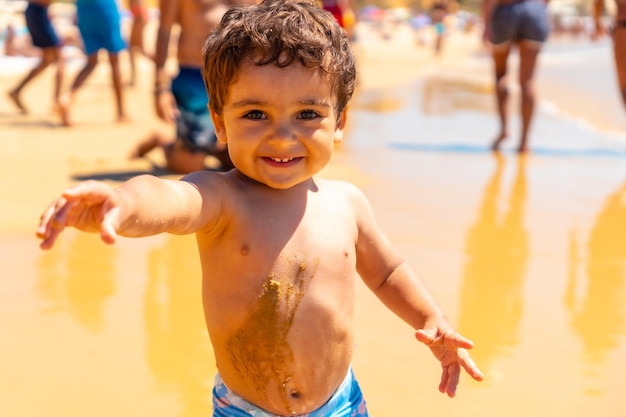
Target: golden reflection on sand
595 296
80 282
491 301
177 346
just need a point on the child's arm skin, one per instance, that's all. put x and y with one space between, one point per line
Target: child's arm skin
143 206
397 285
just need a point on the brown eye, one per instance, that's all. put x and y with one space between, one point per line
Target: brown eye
254 115
308 115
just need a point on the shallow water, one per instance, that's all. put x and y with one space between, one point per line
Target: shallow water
526 255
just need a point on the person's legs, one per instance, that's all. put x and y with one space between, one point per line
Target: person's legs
60 73
500 54
116 78
528 52
66 100
50 55
619 51
135 41
181 161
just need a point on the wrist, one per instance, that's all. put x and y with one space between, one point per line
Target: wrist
158 89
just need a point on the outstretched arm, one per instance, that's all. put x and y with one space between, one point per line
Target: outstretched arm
143 206
399 287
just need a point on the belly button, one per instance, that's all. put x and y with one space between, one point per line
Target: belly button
295 394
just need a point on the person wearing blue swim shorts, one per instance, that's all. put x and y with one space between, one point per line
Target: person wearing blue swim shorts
99 24
181 99
509 23
43 36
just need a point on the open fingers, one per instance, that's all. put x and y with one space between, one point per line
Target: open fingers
469 365
52 222
450 379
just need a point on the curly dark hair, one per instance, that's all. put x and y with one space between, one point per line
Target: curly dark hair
278 32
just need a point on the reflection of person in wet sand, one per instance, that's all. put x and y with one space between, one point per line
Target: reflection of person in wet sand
44 37
598 314
497 250
521 23
81 285
177 345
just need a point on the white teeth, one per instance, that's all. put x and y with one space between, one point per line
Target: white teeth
281 159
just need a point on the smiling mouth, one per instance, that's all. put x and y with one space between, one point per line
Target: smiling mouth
281 160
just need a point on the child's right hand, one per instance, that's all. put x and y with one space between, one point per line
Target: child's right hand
91 206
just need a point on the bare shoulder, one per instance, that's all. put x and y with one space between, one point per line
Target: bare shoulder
206 194
209 184
348 192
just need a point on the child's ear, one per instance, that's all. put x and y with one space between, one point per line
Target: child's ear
341 123
218 125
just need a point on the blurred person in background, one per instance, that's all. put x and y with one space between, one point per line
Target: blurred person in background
521 23
345 12
618 36
139 14
181 99
99 24
438 14
45 38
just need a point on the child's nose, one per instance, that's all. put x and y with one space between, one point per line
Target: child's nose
283 135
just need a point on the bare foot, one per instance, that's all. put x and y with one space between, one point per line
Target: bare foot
63 107
523 146
15 98
495 146
123 119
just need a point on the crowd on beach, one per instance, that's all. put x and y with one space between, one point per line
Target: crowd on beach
53 32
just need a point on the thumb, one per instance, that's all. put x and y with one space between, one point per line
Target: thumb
108 227
426 336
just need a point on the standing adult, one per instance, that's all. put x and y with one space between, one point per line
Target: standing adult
521 23
99 24
619 39
44 37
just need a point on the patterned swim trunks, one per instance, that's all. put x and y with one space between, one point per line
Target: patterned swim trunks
347 401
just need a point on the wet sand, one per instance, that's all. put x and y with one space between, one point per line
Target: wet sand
526 255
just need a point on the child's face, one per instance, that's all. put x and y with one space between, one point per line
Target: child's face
280 123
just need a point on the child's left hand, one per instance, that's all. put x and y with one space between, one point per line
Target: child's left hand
450 348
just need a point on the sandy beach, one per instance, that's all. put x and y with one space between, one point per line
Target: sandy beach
526 254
